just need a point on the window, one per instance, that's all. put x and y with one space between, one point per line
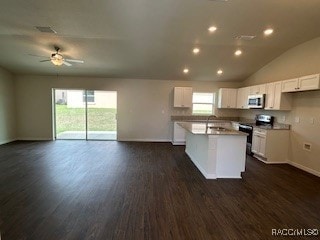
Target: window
203 103
90 96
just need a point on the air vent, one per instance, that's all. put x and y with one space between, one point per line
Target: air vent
245 37
45 29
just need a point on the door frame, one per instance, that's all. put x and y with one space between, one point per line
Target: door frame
54 124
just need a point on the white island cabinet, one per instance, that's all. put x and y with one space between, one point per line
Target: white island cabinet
217 154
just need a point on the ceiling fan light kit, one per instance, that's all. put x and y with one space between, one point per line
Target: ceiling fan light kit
56 59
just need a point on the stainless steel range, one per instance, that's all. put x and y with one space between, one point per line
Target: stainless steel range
260 120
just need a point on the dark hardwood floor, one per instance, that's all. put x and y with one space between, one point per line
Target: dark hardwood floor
120 190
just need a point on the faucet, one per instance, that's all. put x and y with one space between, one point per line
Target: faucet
208 118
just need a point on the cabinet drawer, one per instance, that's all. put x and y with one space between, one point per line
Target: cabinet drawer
259 131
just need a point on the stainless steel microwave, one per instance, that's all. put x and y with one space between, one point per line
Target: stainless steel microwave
256 101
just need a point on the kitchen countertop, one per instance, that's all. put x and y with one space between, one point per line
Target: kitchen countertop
201 128
276 126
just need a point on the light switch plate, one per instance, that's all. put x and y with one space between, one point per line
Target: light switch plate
296 119
312 120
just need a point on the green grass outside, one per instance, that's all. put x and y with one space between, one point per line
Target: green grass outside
73 119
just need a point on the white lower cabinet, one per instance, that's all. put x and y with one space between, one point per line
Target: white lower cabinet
179 135
259 140
270 146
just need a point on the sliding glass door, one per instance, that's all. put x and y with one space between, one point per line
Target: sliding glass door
85 114
101 115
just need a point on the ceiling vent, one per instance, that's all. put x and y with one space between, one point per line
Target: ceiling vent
45 29
245 37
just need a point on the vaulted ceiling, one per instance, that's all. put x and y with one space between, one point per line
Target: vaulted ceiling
153 39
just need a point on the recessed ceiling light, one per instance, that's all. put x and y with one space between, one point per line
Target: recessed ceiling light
212 29
238 52
185 70
219 71
268 31
196 50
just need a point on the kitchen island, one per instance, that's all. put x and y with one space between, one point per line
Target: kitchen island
217 152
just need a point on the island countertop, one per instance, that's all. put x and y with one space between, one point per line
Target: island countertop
204 129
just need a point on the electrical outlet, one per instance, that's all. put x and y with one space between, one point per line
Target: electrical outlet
296 119
307 146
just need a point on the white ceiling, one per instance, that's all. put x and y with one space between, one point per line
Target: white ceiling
153 39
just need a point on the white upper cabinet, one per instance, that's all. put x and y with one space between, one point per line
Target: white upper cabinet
227 98
182 97
242 97
275 99
310 82
258 89
290 85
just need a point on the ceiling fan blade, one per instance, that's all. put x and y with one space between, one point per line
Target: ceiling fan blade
47 60
67 64
33 55
74 60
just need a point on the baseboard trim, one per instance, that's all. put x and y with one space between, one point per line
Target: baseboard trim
178 143
309 170
35 139
143 140
7 141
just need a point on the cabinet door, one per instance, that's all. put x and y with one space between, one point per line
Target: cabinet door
277 95
227 98
179 134
232 98
178 97
245 97
187 97
254 90
223 98
262 88
258 89
270 96
290 85
240 97
255 143
182 97
310 82
262 146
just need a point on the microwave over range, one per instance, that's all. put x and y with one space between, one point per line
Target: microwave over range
256 101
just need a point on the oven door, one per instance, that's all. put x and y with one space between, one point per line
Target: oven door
249 130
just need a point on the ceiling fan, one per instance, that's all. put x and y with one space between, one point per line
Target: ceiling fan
57 59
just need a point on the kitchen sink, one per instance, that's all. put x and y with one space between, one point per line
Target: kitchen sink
218 128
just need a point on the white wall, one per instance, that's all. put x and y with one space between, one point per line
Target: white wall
301 60
144 106
7 107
